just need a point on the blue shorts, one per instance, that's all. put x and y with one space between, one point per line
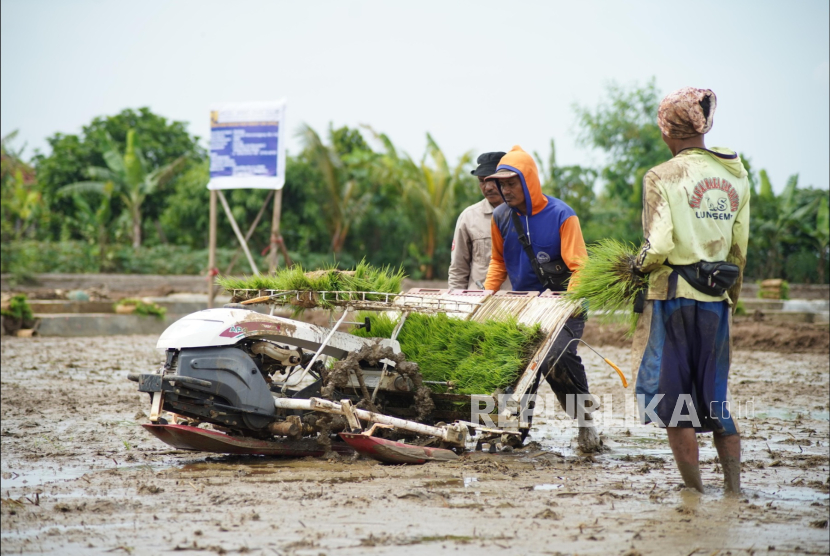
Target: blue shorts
684 367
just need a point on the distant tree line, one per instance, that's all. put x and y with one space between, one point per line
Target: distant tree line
128 194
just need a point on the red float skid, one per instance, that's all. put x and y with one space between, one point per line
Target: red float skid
185 437
388 451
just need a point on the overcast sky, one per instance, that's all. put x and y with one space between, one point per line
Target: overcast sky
477 75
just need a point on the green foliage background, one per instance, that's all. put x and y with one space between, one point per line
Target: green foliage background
351 195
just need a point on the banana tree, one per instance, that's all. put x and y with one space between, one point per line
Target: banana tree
781 215
347 199
572 184
431 193
129 178
818 230
94 223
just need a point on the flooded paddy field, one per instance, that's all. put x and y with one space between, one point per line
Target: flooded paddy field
80 476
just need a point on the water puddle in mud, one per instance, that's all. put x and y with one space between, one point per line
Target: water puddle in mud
261 468
621 445
55 529
38 477
789 495
790 415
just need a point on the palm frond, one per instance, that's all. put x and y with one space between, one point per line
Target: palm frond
161 176
96 173
132 164
9 137
788 195
822 231
83 187
115 162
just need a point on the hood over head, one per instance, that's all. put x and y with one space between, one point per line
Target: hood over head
730 160
520 162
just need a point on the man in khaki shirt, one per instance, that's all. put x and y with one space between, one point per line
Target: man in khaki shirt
471 243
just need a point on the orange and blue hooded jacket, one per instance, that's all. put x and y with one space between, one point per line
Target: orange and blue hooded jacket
550 224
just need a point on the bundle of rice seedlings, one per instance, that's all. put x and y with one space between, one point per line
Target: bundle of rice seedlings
479 358
364 278
608 284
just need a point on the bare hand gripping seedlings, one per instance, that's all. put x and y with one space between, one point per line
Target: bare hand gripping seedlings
609 283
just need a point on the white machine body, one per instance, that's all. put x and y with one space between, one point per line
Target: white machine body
225 327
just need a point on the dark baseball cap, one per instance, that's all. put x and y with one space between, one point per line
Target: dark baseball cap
487 164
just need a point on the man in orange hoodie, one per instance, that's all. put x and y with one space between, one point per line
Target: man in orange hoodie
537 242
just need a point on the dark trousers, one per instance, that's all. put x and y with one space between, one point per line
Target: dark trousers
568 376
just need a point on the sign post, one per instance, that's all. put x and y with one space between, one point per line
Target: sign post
247 151
211 248
275 231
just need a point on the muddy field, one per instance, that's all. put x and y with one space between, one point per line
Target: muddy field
80 476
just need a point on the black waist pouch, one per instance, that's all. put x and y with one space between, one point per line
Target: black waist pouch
553 274
709 278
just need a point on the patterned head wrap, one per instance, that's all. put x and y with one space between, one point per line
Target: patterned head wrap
682 113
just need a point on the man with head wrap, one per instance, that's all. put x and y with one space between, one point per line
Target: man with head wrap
696 228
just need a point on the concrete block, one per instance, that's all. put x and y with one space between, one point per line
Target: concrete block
51 307
788 316
762 304
176 305
102 324
807 305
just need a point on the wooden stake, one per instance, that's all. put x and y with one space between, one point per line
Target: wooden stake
250 231
236 231
211 248
275 231
284 252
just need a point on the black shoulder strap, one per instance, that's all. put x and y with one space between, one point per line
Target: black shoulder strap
517 225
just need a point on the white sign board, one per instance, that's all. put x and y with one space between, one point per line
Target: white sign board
247 145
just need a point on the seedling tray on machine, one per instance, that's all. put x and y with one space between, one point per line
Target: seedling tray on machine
549 310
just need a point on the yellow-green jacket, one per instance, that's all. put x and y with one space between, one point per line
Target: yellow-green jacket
695 208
